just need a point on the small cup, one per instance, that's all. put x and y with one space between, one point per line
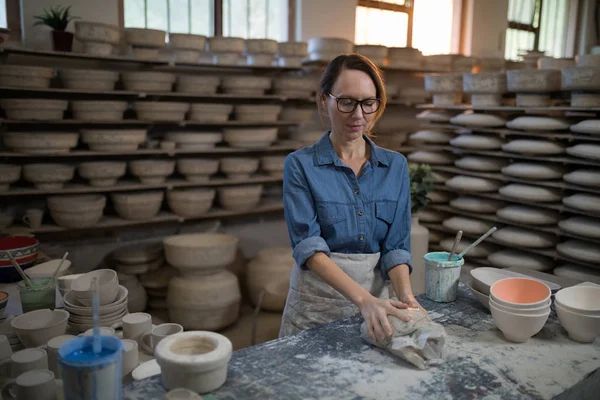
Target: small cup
151 339
26 360
135 325
52 348
33 218
130 355
104 331
38 384
41 295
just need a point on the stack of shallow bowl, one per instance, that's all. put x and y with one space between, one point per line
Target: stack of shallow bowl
138 205
226 50
202 260
77 211
148 81
78 301
137 298
89 79
161 110
156 285
138 259
94 110
199 84
250 138
40 142
446 88
260 52
257 112
405 57
239 167
34 109
291 54
520 307
102 173
246 85
7 330
240 198
25 76
152 172
145 43
98 39
113 140
578 310
187 48
375 53
533 86
326 49
194 140
584 84
48 176
197 169
210 112
295 86
486 88
190 203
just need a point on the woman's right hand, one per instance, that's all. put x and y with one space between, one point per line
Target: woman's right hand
375 312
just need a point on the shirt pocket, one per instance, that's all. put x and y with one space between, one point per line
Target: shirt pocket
331 213
385 212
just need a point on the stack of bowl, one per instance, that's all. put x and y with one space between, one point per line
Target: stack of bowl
578 310
36 328
520 307
7 330
138 259
78 301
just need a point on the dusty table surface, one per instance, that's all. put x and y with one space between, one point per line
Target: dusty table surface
333 362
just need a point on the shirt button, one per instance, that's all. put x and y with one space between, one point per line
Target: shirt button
356 192
361 238
360 213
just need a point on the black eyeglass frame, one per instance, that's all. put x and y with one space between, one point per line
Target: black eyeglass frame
356 103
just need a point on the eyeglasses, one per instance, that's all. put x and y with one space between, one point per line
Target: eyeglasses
348 105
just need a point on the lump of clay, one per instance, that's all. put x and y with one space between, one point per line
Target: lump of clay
419 342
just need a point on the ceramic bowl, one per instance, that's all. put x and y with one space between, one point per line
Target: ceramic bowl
72 303
64 282
583 300
47 269
485 277
518 327
481 297
581 328
109 286
201 251
35 328
521 293
524 311
25 251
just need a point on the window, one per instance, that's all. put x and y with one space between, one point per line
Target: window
536 25
414 24
3 22
242 18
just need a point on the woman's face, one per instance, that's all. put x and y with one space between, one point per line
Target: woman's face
356 85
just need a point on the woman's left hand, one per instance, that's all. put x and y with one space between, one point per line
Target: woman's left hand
411 301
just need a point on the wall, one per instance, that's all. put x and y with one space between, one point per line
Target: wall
330 18
105 11
484 27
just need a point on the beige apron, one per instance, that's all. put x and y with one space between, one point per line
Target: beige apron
312 302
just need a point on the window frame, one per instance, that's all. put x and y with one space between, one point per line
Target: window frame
537 17
406 8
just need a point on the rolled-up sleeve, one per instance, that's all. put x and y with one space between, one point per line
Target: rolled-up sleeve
395 247
300 214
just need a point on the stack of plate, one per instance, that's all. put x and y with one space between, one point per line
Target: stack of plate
139 259
80 319
6 330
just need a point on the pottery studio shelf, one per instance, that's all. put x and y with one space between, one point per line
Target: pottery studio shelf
75 94
551 229
137 122
131 185
108 222
554 184
466 107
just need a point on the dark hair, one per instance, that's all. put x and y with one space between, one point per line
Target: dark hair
356 62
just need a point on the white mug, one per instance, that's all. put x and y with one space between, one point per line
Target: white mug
26 360
134 325
52 348
38 384
33 218
131 356
5 349
151 339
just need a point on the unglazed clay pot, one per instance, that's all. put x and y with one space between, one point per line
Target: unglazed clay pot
190 202
34 109
240 198
194 360
217 306
76 211
152 171
137 206
102 173
89 79
270 272
200 253
94 32
197 169
40 142
9 173
48 176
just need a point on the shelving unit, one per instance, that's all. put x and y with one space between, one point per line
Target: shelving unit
568 162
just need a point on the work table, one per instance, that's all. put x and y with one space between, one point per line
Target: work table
333 362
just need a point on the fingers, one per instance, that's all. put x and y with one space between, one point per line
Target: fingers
399 314
385 323
399 304
371 330
379 334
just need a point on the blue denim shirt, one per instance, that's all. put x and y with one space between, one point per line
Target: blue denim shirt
328 209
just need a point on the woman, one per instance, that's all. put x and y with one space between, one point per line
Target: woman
347 208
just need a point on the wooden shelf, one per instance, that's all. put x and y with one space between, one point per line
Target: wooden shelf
562 185
129 185
465 107
137 122
17 92
555 159
551 253
495 196
108 222
149 152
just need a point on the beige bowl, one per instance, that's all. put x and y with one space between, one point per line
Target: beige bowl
152 171
200 251
240 198
48 176
109 287
518 327
72 304
190 202
137 206
36 328
583 300
581 328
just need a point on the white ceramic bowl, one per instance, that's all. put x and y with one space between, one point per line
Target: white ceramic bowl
72 304
64 282
36 328
583 300
109 286
520 294
200 251
524 311
482 298
518 327
581 328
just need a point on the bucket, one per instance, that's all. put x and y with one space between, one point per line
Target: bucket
87 376
441 276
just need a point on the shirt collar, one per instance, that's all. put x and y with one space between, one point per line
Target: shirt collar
327 155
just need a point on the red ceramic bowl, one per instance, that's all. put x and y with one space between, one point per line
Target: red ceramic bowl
520 292
25 251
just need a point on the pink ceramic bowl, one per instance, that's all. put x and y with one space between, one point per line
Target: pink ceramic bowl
521 293
518 327
581 328
580 299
